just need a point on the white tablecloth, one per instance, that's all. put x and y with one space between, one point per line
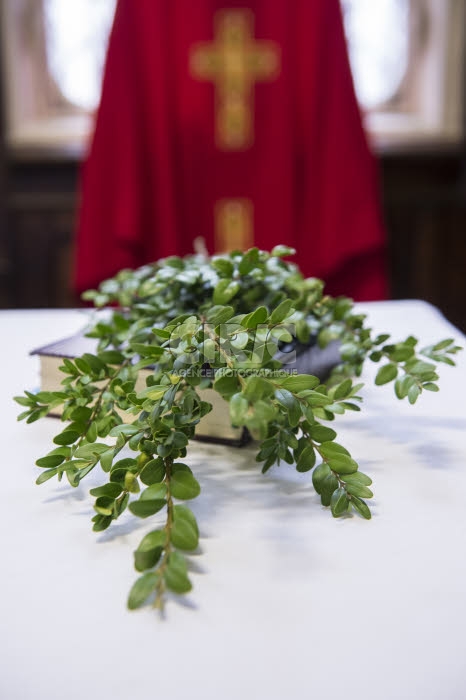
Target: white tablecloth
287 601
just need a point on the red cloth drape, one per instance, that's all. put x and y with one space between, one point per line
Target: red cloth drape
155 172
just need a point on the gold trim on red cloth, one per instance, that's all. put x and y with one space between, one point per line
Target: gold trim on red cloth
234 61
234 227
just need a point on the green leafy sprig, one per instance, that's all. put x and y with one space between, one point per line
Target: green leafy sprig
217 323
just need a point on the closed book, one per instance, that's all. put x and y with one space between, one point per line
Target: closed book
213 427
216 425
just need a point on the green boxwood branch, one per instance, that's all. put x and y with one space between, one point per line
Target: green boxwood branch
166 316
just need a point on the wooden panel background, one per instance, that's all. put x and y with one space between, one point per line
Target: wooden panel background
424 198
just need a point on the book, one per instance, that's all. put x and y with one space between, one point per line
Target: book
216 425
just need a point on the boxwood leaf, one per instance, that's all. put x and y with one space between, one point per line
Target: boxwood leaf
224 291
45 476
94 363
300 382
183 485
224 267
288 401
150 549
255 318
402 386
154 393
104 505
101 522
343 465
112 490
328 486
91 435
320 433
226 385
178 561
153 539
153 492
184 513
282 311
112 357
338 458
343 390
318 475
386 374
430 386
219 314
123 429
358 478
249 261
67 437
176 580
153 472
282 251
361 506
414 393
142 589
91 450
339 502
50 461
333 449
239 406
258 387
131 483
359 490
106 459
126 463
145 508
81 413
117 476
183 535
306 460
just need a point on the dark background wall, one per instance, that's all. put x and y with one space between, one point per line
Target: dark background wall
39 204
424 196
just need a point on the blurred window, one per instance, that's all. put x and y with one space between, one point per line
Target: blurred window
76 35
378 33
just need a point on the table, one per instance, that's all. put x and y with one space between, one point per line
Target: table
287 601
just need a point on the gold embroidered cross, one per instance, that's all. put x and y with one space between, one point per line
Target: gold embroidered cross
233 225
234 61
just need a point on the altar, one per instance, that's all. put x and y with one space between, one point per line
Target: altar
287 601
